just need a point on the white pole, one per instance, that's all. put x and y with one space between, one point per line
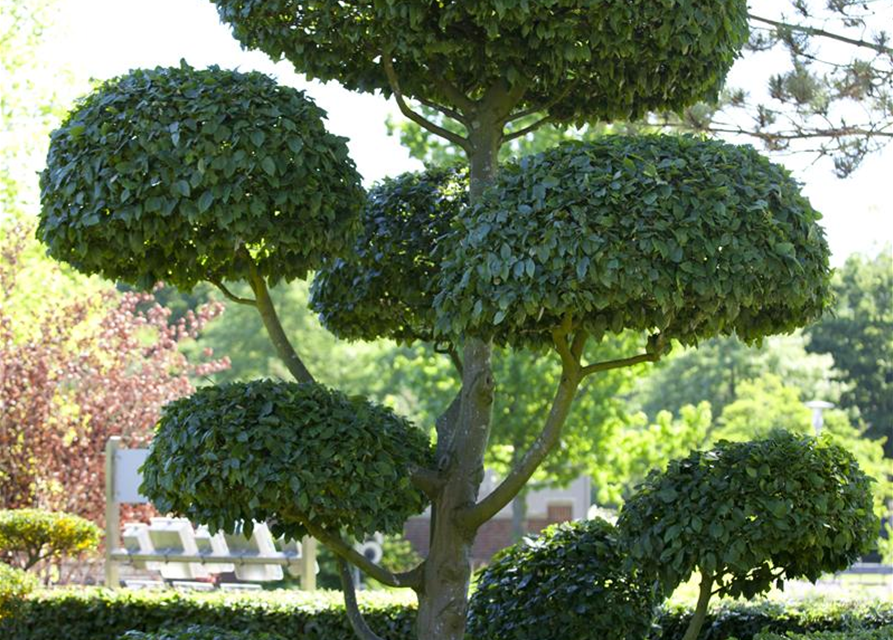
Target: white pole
112 515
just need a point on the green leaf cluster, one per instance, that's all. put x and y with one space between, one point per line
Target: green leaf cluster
15 585
31 535
386 287
752 513
288 454
679 236
198 632
885 633
170 174
580 59
569 582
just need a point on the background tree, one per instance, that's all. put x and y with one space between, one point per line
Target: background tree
715 371
75 373
31 536
859 335
527 263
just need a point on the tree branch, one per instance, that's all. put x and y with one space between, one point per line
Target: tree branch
280 341
408 580
412 115
475 516
350 604
812 31
520 133
617 364
428 481
231 296
454 94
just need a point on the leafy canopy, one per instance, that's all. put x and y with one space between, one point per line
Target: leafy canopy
386 287
285 453
569 582
689 238
15 585
751 513
166 174
599 59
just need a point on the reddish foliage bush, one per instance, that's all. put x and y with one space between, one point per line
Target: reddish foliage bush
74 374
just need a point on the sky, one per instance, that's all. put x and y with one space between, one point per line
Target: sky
103 38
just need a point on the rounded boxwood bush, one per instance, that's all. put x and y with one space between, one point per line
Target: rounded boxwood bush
751 514
28 536
15 585
679 236
386 287
287 454
569 582
198 632
173 173
586 59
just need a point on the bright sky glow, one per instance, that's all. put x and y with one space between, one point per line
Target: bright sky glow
104 38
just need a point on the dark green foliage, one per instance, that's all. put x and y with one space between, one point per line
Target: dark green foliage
15 585
688 237
100 614
744 621
580 59
875 634
197 632
164 174
28 536
285 453
752 513
569 582
386 288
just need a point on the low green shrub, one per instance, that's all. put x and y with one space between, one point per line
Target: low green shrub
100 614
873 634
15 585
568 582
197 632
728 620
28 536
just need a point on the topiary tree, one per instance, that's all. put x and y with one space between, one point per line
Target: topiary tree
750 514
29 536
208 175
571 581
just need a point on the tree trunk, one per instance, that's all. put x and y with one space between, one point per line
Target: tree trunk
462 441
697 620
519 516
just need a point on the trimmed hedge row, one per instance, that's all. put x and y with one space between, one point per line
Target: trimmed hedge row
99 614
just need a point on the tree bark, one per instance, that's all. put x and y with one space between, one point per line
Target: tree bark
462 441
697 620
519 515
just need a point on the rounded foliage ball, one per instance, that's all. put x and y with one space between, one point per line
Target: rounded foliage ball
386 287
288 454
578 59
752 513
183 175
679 236
31 533
569 582
15 585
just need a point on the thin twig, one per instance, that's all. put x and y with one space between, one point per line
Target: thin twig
812 31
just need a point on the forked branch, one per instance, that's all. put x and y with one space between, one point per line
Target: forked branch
231 296
419 119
